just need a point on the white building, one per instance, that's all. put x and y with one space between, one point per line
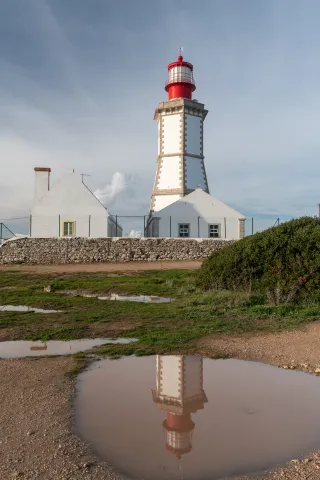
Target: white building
181 169
197 215
68 209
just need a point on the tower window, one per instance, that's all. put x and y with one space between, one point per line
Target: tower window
214 230
69 229
183 230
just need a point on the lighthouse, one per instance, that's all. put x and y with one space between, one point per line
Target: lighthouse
180 162
179 392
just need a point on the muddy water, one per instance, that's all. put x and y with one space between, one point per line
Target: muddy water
24 308
174 417
137 298
123 298
23 348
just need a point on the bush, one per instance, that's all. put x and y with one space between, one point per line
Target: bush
282 263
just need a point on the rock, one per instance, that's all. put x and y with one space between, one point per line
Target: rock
307 460
48 251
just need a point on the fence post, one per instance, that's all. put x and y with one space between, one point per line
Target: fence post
89 225
170 225
278 221
59 226
1 230
30 225
198 227
144 226
225 227
252 226
116 225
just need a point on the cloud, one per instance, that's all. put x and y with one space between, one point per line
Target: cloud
117 185
80 83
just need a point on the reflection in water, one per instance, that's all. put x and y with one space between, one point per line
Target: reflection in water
25 308
179 392
36 348
257 416
25 348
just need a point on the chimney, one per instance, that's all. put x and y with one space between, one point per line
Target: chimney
42 182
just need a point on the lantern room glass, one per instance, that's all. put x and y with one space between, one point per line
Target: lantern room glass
180 74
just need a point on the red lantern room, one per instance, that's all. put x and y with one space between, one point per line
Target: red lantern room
180 83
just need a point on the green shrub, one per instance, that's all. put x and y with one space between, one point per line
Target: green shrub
281 263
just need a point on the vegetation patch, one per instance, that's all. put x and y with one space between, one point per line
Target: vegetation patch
280 265
173 327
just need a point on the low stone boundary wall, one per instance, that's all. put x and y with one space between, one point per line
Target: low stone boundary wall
90 250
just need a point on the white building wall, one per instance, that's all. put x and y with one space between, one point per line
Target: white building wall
85 225
198 226
169 173
194 173
193 134
70 199
171 133
42 184
44 226
199 210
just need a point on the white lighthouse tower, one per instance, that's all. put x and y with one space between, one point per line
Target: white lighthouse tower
179 392
180 163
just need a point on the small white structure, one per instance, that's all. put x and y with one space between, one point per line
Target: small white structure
197 215
68 209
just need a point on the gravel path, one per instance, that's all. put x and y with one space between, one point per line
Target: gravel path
104 267
36 395
35 419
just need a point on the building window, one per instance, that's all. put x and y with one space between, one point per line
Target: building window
183 230
69 229
214 230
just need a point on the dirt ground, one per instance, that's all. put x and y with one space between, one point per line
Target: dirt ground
293 349
36 421
104 267
36 415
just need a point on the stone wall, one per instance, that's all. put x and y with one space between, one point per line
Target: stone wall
90 250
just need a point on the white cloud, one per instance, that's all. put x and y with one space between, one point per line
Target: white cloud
79 91
108 193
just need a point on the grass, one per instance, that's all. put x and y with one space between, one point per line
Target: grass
160 328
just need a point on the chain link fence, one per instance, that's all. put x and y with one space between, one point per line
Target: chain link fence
136 226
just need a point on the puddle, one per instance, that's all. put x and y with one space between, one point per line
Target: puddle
174 417
23 308
123 298
22 348
136 298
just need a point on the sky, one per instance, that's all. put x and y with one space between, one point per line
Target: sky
80 80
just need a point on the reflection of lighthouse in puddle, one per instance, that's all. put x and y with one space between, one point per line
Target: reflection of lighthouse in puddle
41 346
179 392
